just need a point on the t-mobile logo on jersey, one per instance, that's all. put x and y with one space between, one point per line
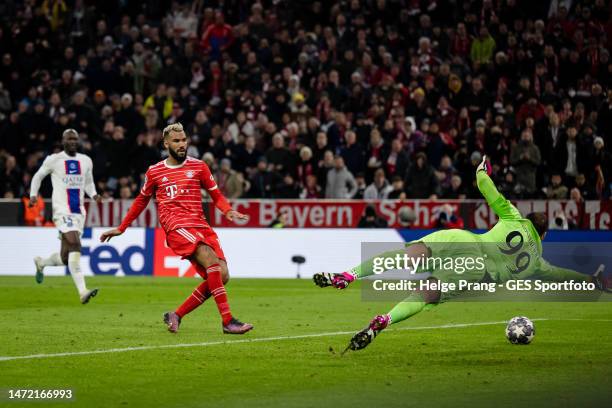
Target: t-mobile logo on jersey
171 190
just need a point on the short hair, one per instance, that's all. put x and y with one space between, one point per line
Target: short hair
175 127
539 221
69 131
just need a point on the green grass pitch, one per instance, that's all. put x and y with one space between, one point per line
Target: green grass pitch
423 365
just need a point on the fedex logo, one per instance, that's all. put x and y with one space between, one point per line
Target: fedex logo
127 255
137 252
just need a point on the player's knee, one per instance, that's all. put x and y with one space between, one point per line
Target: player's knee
225 275
73 247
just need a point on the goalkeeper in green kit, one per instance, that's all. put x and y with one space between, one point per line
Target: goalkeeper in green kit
511 250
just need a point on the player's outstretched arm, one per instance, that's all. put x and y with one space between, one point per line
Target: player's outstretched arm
548 272
139 204
208 182
106 236
233 215
502 207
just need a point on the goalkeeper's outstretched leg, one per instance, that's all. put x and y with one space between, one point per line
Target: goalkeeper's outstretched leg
415 303
344 279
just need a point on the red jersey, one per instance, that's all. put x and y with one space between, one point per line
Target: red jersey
177 191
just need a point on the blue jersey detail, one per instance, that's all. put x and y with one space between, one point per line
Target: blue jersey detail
74 200
72 167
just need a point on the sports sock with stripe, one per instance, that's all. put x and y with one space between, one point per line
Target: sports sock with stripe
199 296
215 285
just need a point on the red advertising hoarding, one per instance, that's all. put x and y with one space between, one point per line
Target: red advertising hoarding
590 215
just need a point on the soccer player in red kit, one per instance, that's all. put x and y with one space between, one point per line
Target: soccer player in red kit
176 184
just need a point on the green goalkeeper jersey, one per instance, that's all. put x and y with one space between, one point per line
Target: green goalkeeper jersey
513 247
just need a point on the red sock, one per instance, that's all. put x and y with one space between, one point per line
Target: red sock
215 285
199 295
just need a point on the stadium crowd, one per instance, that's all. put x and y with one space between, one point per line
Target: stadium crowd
314 99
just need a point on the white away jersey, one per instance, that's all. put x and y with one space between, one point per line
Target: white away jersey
71 177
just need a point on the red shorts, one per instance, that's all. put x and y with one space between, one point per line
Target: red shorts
184 241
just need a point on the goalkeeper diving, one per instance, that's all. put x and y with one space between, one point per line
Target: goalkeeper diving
512 250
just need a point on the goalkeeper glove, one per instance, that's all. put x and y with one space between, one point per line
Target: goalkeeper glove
483 165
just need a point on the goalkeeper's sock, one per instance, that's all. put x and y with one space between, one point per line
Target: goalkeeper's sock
405 309
74 266
215 285
54 260
199 295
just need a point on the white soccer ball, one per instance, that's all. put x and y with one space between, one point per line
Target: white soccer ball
520 330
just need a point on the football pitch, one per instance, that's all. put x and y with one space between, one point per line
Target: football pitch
116 351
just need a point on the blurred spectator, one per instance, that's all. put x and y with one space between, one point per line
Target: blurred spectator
218 37
582 188
32 216
379 188
352 153
397 160
420 180
447 219
280 221
371 219
287 188
261 181
455 190
379 83
361 186
397 192
230 183
558 221
311 188
525 157
340 181
556 190
278 155
602 159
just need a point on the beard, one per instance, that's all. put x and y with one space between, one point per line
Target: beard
176 156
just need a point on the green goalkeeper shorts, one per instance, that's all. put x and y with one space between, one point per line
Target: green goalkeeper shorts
455 255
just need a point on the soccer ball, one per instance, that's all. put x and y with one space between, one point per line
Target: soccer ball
520 330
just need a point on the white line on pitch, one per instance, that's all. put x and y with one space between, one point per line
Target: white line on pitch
214 343
260 340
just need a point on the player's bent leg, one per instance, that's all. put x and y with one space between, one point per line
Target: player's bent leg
193 301
206 257
415 303
41 263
